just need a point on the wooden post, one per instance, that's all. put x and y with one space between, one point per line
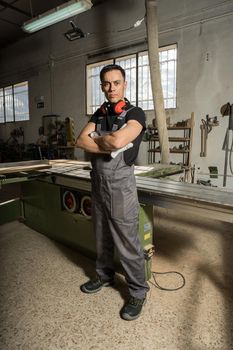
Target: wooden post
157 92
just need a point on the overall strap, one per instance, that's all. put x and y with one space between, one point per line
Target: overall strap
99 123
121 119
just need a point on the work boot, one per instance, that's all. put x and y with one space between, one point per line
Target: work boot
132 309
95 285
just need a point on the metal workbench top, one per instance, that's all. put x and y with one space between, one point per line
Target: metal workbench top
216 203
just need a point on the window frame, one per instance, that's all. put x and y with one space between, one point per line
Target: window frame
136 54
12 95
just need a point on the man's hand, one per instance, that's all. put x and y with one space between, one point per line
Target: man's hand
85 142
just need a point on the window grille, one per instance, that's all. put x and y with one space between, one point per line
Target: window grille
138 79
14 104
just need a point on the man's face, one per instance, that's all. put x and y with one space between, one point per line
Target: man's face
113 86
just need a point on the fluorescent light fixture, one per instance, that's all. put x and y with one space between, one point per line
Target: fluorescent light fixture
68 9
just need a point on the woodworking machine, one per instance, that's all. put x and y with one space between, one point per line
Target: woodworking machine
59 206
56 201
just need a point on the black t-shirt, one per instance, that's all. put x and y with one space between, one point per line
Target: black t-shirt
108 119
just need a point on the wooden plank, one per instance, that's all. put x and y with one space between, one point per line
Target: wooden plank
17 167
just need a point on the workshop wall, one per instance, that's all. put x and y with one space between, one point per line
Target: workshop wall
55 67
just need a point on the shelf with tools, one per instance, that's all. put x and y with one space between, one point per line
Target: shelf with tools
183 135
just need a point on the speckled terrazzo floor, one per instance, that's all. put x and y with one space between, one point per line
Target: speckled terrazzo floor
42 307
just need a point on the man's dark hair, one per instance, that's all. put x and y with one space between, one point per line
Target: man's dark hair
110 67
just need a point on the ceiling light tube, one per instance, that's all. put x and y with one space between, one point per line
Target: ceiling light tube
69 9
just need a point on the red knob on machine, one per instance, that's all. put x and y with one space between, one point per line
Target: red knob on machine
86 206
70 202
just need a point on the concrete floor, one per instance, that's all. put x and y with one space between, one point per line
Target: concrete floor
42 307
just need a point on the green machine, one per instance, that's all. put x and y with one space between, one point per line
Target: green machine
56 200
60 207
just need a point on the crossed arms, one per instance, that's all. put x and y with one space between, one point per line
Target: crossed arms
109 142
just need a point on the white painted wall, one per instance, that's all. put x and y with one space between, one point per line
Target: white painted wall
55 67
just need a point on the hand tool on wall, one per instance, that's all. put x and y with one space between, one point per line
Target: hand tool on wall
225 110
206 128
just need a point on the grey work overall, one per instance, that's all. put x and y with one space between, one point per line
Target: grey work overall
115 216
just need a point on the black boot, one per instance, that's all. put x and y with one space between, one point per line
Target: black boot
132 309
95 285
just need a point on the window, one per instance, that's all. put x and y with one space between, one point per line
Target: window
14 104
95 96
8 102
138 77
168 59
129 65
2 115
145 99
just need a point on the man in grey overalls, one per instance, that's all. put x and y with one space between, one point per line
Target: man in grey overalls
113 136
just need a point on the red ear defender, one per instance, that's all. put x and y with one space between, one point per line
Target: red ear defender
119 106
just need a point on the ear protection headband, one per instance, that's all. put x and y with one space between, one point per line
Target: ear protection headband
118 107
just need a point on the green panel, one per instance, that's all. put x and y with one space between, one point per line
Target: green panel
9 211
146 232
43 212
160 170
146 224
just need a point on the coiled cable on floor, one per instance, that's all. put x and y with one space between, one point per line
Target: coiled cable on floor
166 273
